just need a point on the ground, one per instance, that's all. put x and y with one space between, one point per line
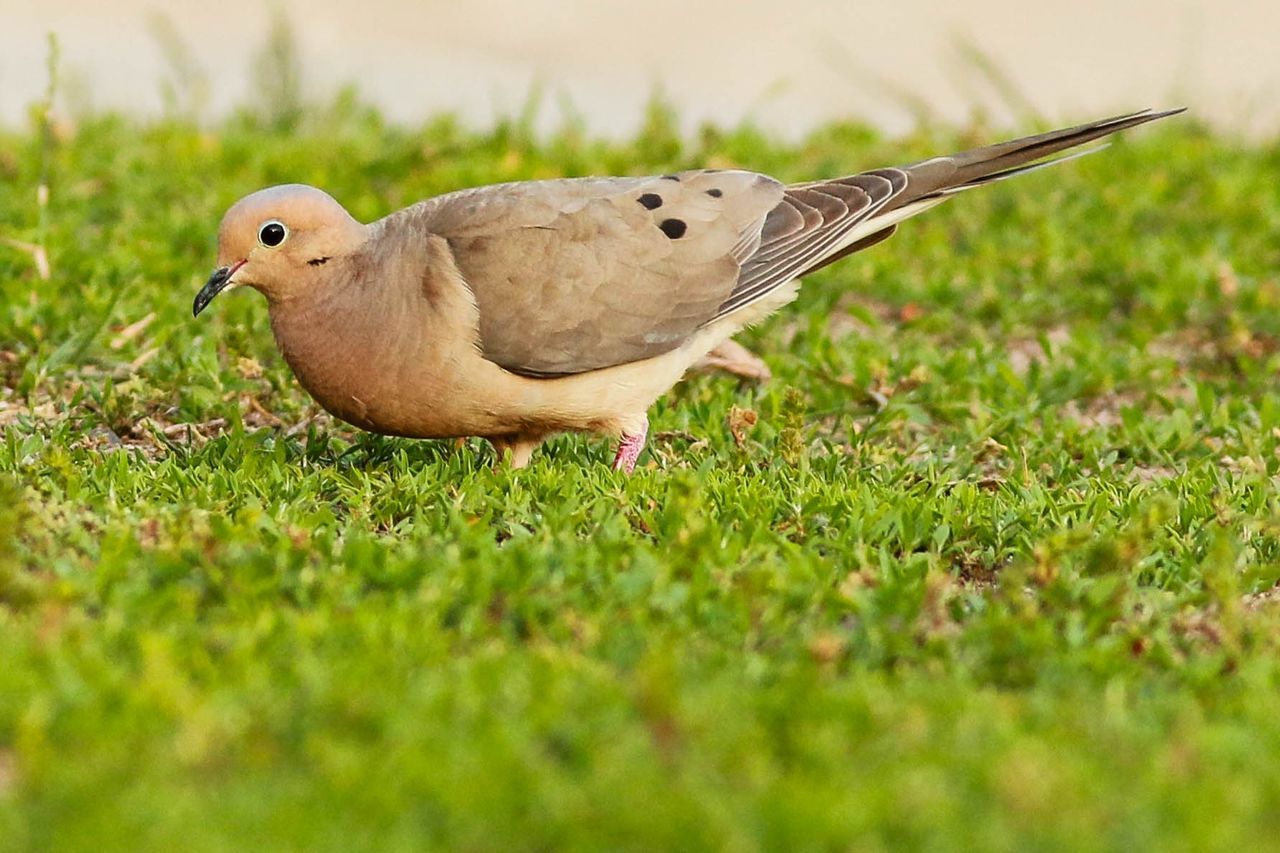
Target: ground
989 562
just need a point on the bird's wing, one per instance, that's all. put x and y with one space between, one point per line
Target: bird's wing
580 274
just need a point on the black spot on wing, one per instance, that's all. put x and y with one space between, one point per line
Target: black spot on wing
650 201
673 228
715 193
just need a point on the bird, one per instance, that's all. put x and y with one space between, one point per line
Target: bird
518 311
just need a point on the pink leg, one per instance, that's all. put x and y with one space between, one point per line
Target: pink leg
630 447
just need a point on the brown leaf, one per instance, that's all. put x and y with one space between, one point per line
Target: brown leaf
740 421
131 331
144 357
259 414
826 647
249 368
1228 281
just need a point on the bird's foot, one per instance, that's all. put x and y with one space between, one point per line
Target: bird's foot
732 357
630 447
514 450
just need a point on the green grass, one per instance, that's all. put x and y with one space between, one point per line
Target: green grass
992 568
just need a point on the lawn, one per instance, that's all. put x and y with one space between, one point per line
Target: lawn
989 563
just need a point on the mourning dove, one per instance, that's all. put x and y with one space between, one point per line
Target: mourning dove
521 310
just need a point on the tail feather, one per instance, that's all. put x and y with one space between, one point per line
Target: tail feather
1006 159
820 222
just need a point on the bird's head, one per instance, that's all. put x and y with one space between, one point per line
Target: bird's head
278 241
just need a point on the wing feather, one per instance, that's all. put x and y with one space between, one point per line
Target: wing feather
579 274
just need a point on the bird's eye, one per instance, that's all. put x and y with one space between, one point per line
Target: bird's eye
272 233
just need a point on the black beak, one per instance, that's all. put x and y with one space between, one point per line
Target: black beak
215 285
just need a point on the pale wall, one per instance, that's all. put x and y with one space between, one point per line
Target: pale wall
789 64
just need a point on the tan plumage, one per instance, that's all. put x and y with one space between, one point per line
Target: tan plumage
520 310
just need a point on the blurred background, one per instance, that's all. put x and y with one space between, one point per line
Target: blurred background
787 67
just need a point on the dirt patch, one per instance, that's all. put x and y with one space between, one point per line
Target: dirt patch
12 411
1024 352
1263 600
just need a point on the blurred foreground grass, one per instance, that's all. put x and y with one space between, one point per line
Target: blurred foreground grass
993 565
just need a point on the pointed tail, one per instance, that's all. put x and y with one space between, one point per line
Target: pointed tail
958 172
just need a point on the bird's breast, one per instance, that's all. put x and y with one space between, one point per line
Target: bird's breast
390 375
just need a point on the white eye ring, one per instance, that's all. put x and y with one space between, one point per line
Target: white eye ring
272 233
